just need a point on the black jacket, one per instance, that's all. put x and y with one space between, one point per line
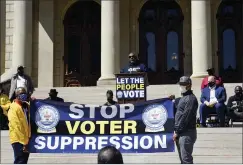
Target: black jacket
55 99
186 113
232 99
176 102
110 103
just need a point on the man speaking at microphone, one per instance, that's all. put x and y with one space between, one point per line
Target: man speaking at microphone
134 66
185 134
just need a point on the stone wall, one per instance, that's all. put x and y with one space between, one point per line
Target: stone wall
9 34
2 35
9 24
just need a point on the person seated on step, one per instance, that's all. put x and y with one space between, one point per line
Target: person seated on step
110 155
235 104
212 98
53 96
134 65
211 72
109 96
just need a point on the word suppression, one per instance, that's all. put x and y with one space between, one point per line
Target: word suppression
83 128
132 87
85 144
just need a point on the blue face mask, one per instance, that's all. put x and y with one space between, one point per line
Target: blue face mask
23 97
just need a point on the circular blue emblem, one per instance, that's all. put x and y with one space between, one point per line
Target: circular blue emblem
119 94
47 117
154 117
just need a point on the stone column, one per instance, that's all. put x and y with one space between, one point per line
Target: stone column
110 42
201 37
22 35
45 51
22 38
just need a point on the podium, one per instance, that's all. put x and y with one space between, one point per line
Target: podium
131 88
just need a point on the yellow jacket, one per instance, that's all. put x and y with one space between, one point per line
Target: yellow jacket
19 127
5 103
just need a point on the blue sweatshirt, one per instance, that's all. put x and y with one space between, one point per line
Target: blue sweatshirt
139 67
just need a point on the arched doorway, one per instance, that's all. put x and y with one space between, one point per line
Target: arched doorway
161 40
229 25
82 41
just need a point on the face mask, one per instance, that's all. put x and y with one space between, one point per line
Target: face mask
20 73
183 89
238 94
211 84
23 97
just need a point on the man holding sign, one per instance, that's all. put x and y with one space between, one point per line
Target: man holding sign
185 121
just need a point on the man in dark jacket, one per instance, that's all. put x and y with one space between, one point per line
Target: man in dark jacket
185 134
21 80
53 96
134 65
235 104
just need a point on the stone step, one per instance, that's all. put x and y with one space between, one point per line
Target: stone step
213 145
96 95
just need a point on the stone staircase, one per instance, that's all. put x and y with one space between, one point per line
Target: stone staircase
214 145
97 95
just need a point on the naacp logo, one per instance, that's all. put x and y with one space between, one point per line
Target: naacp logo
47 118
119 94
154 117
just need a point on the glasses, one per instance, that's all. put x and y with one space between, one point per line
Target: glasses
131 57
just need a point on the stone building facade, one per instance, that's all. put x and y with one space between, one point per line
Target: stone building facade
94 37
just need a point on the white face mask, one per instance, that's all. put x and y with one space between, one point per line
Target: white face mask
183 89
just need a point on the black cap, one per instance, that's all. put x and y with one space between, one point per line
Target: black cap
20 67
54 91
184 80
210 69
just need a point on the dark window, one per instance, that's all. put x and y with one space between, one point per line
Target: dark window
172 51
161 40
149 15
151 51
229 51
228 10
172 13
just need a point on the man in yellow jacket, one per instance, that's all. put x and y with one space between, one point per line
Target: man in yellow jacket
4 107
19 126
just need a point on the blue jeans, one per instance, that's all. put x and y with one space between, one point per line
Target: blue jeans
20 157
218 108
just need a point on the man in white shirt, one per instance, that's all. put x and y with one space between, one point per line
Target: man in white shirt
20 80
212 98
